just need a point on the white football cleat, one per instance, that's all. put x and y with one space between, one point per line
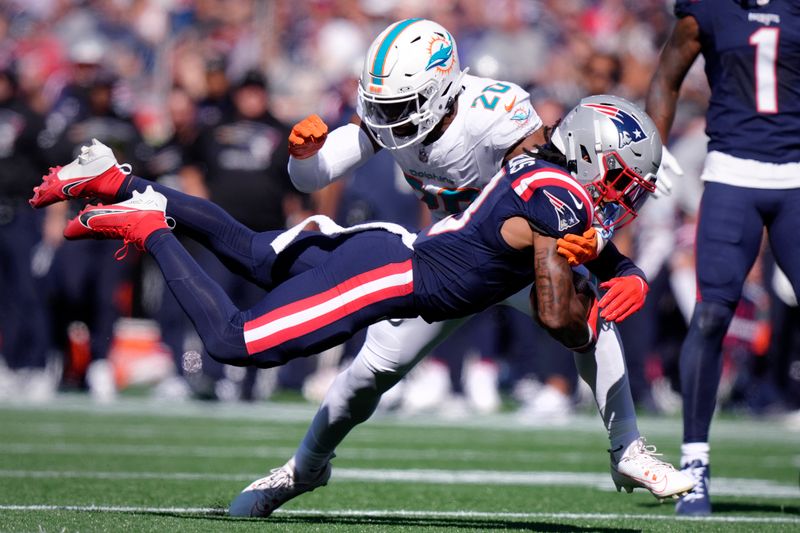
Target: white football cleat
264 495
640 467
94 173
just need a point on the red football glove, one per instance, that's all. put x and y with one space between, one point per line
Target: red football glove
578 249
307 137
625 296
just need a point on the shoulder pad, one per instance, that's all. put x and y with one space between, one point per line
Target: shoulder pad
498 110
555 203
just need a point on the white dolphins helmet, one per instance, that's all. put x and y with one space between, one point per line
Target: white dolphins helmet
614 150
410 80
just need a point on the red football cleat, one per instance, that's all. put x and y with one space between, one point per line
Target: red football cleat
95 173
132 220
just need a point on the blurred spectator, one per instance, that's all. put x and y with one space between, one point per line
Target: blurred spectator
88 285
216 104
24 257
164 163
241 164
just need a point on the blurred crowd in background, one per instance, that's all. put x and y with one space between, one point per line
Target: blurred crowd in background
200 95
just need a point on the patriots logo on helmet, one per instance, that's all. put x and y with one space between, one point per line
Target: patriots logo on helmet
629 129
441 57
566 216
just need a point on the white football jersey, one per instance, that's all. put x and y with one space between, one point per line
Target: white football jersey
449 173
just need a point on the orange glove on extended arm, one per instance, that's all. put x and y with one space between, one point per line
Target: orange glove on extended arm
578 249
307 137
625 296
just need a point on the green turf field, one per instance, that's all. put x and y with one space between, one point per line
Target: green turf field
141 466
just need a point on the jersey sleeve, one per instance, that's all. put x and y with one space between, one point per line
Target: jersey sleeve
699 9
611 263
554 203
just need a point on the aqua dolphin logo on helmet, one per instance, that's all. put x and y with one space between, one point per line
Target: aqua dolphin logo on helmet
441 57
629 129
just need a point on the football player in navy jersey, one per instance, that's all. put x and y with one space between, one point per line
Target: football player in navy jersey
449 132
752 179
323 286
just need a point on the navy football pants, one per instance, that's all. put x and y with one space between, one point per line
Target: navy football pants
321 289
729 231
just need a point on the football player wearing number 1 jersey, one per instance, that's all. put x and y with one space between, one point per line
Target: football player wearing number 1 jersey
752 180
450 132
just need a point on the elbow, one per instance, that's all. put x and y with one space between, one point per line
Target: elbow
303 186
308 175
554 320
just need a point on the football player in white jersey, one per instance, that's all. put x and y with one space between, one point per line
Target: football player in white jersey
450 132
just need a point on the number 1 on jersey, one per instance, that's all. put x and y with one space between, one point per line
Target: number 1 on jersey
766 42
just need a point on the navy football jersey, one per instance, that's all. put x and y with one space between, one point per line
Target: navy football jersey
753 67
462 264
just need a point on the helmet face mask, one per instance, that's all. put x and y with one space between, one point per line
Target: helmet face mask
613 149
401 116
410 80
621 187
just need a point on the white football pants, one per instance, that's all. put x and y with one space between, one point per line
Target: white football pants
393 348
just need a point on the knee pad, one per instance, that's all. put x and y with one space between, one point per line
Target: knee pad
394 347
711 317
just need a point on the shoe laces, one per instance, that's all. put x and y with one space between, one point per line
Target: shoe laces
278 484
122 252
699 492
649 457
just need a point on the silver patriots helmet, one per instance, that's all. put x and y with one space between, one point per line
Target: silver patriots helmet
614 150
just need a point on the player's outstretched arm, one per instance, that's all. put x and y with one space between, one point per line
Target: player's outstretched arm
318 158
680 51
557 306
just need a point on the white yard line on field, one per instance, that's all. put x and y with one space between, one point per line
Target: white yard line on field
402 513
267 451
752 488
758 430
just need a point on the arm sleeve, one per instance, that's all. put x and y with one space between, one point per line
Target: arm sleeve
612 264
698 9
345 149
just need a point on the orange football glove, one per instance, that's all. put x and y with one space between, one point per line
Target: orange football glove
625 296
578 249
307 137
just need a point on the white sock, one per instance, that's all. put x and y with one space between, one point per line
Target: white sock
694 451
603 369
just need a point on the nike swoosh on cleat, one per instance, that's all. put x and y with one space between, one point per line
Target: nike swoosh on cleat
510 106
69 186
84 218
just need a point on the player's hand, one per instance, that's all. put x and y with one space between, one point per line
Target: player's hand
307 137
625 296
578 249
669 170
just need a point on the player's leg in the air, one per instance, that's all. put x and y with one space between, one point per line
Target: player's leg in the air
728 239
97 174
365 276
